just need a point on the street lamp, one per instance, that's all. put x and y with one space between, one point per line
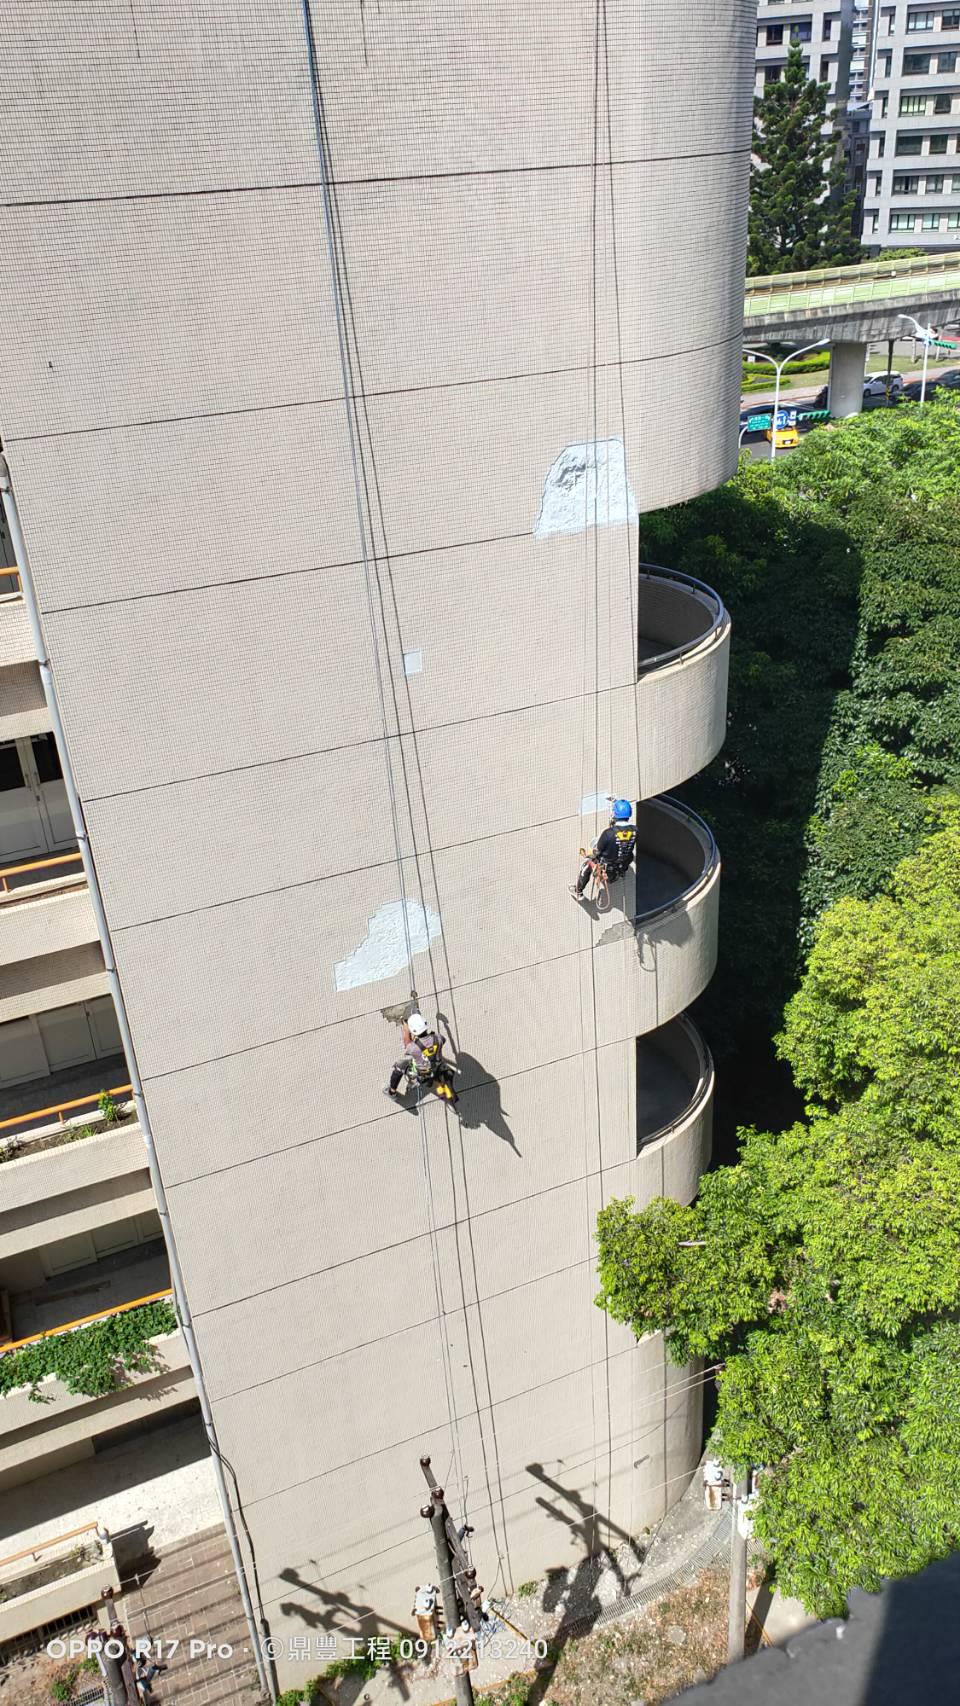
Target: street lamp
927 335
779 366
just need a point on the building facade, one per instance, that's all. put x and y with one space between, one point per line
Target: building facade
823 30
834 37
912 196
344 349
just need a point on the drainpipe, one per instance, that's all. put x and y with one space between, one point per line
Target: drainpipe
258 1630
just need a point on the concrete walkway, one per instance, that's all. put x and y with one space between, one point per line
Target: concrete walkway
192 1596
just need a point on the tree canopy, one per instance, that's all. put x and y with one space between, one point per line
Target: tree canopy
823 1267
801 215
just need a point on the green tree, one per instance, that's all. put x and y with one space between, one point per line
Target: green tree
903 254
800 214
823 1270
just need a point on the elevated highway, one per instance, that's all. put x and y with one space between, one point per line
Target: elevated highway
852 307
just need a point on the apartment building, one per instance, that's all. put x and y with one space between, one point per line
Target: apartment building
80 1237
344 349
834 36
823 29
912 195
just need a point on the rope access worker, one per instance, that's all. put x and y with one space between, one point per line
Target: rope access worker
614 848
422 1052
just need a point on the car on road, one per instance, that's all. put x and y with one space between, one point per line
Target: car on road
882 385
911 392
787 437
951 379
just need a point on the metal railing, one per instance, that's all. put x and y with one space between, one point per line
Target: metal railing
702 1090
60 1108
696 826
39 865
56 1540
85 1320
704 595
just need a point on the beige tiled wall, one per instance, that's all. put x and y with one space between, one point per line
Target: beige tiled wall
367 1287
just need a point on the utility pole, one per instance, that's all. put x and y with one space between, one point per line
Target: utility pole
737 1618
458 1581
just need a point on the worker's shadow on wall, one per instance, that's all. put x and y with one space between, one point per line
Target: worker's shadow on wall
480 1102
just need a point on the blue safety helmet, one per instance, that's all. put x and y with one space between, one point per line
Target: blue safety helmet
622 811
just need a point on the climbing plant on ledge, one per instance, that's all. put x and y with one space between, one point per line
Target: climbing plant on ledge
94 1359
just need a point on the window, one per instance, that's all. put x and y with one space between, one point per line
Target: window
934 183
46 758
881 148
938 145
921 20
907 144
884 104
955 183
774 35
946 62
827 28
891 18
913 103
878 184
931 222
916 64
941 104
950 20
874 220
905 183
11 775
953 221
771 73
800 32
902 221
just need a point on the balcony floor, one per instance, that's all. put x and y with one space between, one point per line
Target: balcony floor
87 1079
161 1482
658 882
118 1278
664 1090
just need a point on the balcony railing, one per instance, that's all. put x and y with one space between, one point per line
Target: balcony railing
49 866
87 1320
681 1050
669 831
60 1109
677 616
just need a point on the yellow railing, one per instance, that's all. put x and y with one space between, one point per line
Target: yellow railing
85 1320
42 1545
38 865
61 1108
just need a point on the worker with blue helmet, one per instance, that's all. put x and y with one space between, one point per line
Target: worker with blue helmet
615 848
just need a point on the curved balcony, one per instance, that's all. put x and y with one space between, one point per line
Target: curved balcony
676 906
683 654
674 1109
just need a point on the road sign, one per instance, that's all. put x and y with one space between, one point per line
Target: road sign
757 423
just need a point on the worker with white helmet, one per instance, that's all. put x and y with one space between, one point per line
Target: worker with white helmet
422 1049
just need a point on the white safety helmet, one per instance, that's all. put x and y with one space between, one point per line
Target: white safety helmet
417 1024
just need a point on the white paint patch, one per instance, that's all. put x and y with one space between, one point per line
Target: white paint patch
594 803
383 951
586 487
412 663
